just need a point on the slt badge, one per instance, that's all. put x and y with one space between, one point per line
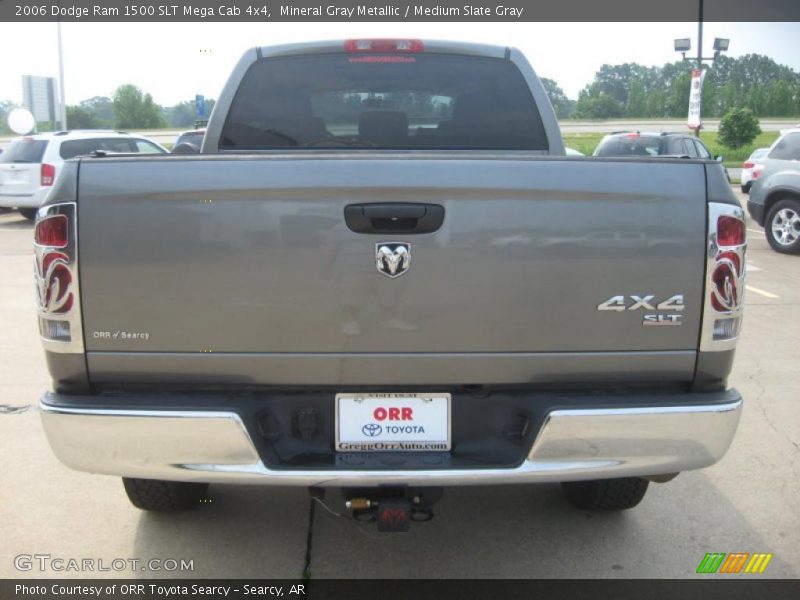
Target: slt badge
393 258
649 302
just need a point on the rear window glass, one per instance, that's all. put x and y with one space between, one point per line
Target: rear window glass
788 148
634 145
419 101
689 148
702 151
73 148
24 151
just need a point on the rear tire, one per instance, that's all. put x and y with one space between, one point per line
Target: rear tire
28 213
782 226
746 188
164 496
606 494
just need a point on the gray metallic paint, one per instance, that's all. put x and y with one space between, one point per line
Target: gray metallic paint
711 372
250 256
386 369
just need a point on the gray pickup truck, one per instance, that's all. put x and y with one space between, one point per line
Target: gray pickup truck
382 274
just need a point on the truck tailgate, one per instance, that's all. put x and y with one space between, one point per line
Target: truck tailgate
243 270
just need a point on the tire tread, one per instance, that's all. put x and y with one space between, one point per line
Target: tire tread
606 494
163 496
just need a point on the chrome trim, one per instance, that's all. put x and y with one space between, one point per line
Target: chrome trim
710 314
73 316
214 446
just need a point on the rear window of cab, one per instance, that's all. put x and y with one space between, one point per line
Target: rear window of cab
383 101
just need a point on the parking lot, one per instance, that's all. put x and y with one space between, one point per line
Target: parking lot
746 503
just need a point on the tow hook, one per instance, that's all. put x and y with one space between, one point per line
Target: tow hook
393 509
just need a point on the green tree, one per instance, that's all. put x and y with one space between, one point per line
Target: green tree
729 99
753 81
184 114
779 98
102 110
656 104
561 104
180 115
617 80
710 100
677 99
637 100
79 117
597 105
134 109
738 127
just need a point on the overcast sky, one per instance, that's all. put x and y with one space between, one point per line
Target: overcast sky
165 59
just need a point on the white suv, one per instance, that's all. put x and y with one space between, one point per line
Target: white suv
30 164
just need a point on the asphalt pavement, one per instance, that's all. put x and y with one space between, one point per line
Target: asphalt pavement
746 503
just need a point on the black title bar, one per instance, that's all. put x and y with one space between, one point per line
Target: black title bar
709 588
377 10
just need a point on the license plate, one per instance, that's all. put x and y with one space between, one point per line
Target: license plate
380 422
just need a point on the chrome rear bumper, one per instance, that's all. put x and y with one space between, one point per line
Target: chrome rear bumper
214 446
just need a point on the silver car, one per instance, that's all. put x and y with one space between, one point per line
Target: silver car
775 196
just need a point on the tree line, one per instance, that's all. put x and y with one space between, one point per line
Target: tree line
128 108
631 90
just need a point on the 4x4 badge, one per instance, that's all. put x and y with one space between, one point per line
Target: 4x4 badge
393 258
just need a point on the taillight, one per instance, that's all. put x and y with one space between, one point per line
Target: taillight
48 174
730 231
52 231
725 277
724 291
757 170
56 273
56 296
747 165
383 45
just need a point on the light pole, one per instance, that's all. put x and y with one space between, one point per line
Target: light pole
63 98
683 45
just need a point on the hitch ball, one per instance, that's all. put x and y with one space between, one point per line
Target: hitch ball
360 504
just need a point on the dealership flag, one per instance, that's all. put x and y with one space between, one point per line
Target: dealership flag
696 99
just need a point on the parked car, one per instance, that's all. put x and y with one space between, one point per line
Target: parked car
573 152
271 327
774 200
31 164
665 144
634 143
189 142
751 168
